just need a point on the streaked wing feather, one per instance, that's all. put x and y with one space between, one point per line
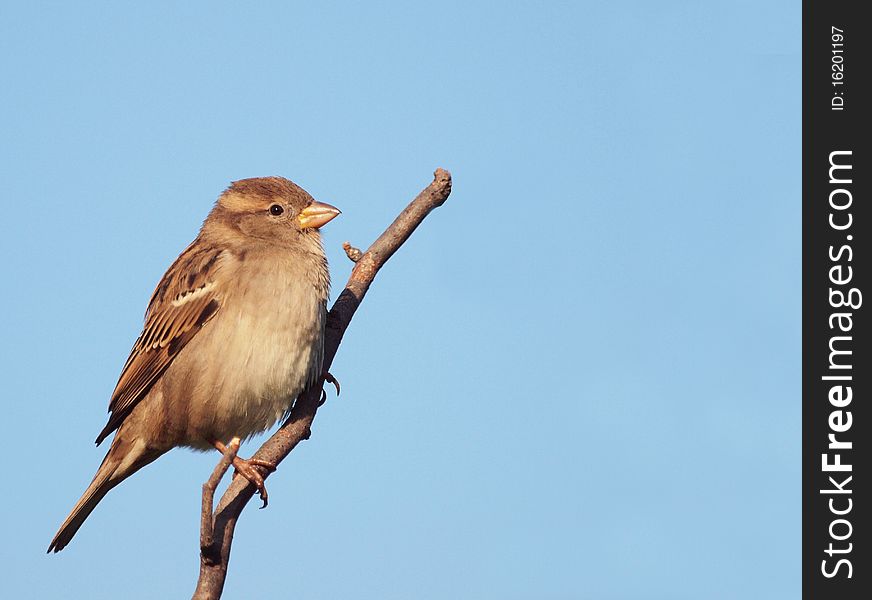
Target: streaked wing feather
183 302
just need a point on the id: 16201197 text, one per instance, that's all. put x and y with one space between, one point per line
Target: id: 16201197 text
837 67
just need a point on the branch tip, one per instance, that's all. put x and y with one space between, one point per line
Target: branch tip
351 252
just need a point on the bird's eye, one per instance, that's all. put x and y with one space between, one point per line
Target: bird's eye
276 210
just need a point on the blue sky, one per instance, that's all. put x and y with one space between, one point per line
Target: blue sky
578 380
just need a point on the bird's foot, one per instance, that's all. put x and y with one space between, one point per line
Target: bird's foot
248 469
330 379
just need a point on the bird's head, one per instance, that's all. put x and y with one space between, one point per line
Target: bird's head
271 208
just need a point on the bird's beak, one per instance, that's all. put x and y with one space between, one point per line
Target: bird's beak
317 214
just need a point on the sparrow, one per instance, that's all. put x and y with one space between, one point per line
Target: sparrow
233 333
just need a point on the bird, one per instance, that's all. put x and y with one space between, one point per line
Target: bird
233 332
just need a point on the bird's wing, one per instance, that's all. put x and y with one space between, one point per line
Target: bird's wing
182 303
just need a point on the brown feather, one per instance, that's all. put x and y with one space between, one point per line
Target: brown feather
182 303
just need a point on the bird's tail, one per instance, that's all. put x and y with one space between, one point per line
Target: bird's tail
122 460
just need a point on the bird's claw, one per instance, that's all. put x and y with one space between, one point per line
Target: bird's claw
330 379
269 466
247 468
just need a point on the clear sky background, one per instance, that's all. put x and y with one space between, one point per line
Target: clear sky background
578 380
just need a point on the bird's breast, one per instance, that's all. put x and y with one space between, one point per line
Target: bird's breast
266 344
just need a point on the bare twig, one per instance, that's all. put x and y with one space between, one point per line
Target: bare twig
207 543
351 252
298 425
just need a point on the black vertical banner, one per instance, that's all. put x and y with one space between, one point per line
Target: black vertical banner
837 371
